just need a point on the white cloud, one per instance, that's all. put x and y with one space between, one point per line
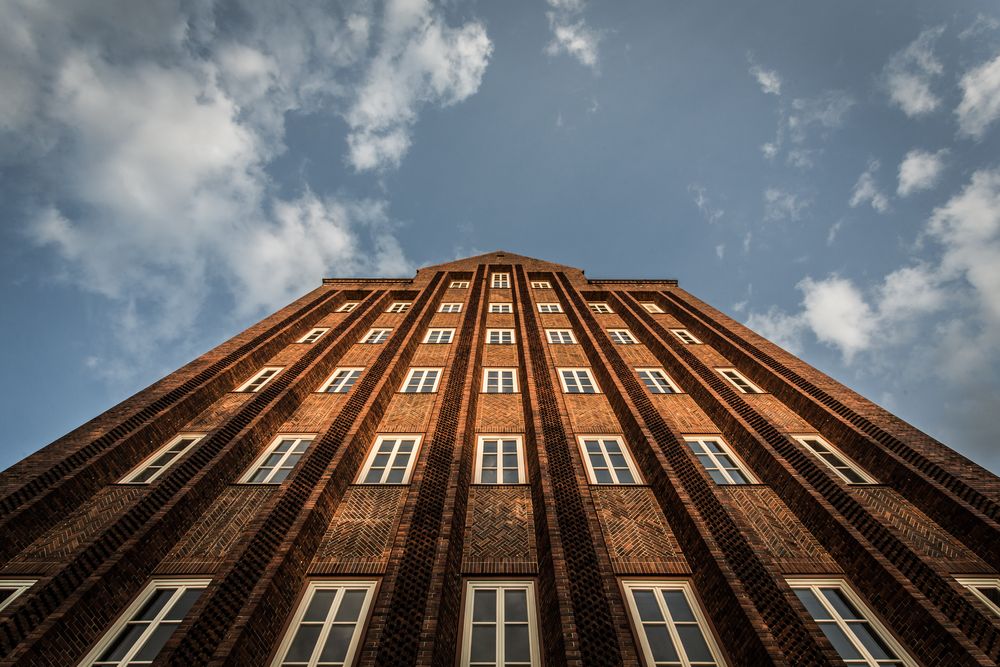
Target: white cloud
980 105
909 73
779 327
708 210
571 34
720 250
834 230
867 192
803 122
980 25
768 79
920 170
837 314
783 205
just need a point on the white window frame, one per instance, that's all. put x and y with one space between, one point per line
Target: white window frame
348 306
626 454
337 383
314 335
370 459
438 372
500 281
500 585
848 461
480 453
501 307
499 334
501 369
441 332
549 333
341 586
576 371
271 371
19 586
622 337
549 308
541 284
600 307
149 460
664 380
652 307
866 612
726 370
685 336
450 307
278 439
182 585
459 284
971 583
375 336
659 585
399 307
728 451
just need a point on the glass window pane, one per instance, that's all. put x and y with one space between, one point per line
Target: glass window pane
510 460
511 477
992 593
490 446
625 476
841 604
319 606
350 606
484 605
853 476
484 643
718 477
603 476
279 476
337 643
871 641
155 643
303 643
812 605
395 476
845 649
260 476
515 605
738 477
489 476
373 476
123 642
489 460
694 643
660 644
183 605
645 603
516 644
155 604
678 606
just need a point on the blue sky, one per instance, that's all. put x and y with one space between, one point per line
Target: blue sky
829 173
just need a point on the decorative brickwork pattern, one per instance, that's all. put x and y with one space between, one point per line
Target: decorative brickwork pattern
638 537
778 414
218 412
499 536
499 413
408 413
685 415
568 356
590 413
315 413
359 539
500 355
637 356
432 355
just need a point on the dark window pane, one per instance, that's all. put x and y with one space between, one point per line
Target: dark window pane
395 476
155 643
603 476
337 643
694 643
660 644
813 606
350 606
718 477
852 476
516 646
155 604
738 477
845 649
510 460
319 606
871 641
515 605
484 605
303 643
841 604
510 477
678 606
123 642
991 593
625 476
373 476
645 602
279 476
183 605
489 477
484 644
259 476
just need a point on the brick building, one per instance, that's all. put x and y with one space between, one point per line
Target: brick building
498 462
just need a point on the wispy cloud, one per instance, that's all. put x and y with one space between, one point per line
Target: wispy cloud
571 34
920 170
910 72
866 191
805 121
981 24
708 210
980 105
768 79
782 205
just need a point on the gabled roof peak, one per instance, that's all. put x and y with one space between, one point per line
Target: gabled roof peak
500 257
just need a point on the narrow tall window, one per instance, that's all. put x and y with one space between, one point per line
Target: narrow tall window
600 308
500 281
421 381
450 308
651 307
622 336
500 336
162 459
608 460
560 336
391 460
278 460
439 336
671 625
459 284
500 626
719 461
10 589
376 336
851 627
327 626
501 308
541 284
740 381
399 307
347 307
846 469
549 308
500 460
258 381
500 380
313 335
577 381
341 381
657 381
986 589
685 336
140 633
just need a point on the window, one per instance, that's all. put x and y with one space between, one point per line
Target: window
986 589
501 308
685 336
313 336
450 308
439 336
549 308
500 460
499 380
740 381
162 459
651 307
500 336
847 470
399 307
500 281
600 308
421 381
11 588
657 381
278 460
257 382
327 625
348 307
622 336
577 381
608 460
855 633
560 336
390 460
341 381
139 634
670 624
459 284
376 336
500 626
541 284
718 459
